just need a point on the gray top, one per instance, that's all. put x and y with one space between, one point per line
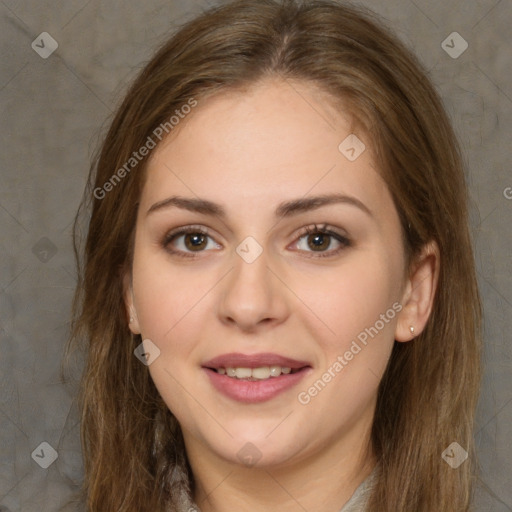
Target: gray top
359 500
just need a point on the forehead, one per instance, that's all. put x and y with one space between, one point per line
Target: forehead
275 139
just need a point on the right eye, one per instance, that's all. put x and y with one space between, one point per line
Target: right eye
189 240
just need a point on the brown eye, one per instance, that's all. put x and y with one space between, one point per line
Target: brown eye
323 241
319 241
195 241
189 240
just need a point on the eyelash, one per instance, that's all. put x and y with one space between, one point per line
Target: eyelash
310 230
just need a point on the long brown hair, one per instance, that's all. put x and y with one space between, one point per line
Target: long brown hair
132 444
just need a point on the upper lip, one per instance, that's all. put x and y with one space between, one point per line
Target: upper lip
237 360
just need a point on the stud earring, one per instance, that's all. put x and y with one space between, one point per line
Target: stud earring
411 328
131 319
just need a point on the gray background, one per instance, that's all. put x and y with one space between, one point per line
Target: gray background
53 111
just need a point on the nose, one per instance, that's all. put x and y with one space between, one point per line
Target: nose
253 296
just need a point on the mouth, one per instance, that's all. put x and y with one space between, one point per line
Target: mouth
254 378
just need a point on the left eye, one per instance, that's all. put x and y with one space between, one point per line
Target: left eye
322 241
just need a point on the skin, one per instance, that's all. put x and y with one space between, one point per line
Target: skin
249 151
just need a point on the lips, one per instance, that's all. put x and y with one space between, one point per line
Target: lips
236 360
229 374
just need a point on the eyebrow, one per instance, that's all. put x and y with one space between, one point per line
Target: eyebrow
286 209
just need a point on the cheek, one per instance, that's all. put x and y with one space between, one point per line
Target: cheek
353 298
166 298
359 305
170 307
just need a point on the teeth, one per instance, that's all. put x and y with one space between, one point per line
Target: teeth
261 373
275 371
243 373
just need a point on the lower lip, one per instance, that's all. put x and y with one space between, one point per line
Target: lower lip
254 391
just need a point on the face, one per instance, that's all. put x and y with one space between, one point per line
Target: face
269 272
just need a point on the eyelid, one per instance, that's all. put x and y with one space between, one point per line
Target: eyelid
192 228
324 228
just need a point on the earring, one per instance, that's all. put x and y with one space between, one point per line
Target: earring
131 319
411 328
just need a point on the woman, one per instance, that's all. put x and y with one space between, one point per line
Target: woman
278 295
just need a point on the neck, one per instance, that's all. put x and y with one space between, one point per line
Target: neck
323 481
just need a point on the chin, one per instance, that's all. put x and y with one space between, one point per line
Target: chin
257 448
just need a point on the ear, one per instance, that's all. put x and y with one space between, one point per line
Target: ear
133 321
419 293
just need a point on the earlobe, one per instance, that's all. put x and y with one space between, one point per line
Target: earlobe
419 294
133 321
